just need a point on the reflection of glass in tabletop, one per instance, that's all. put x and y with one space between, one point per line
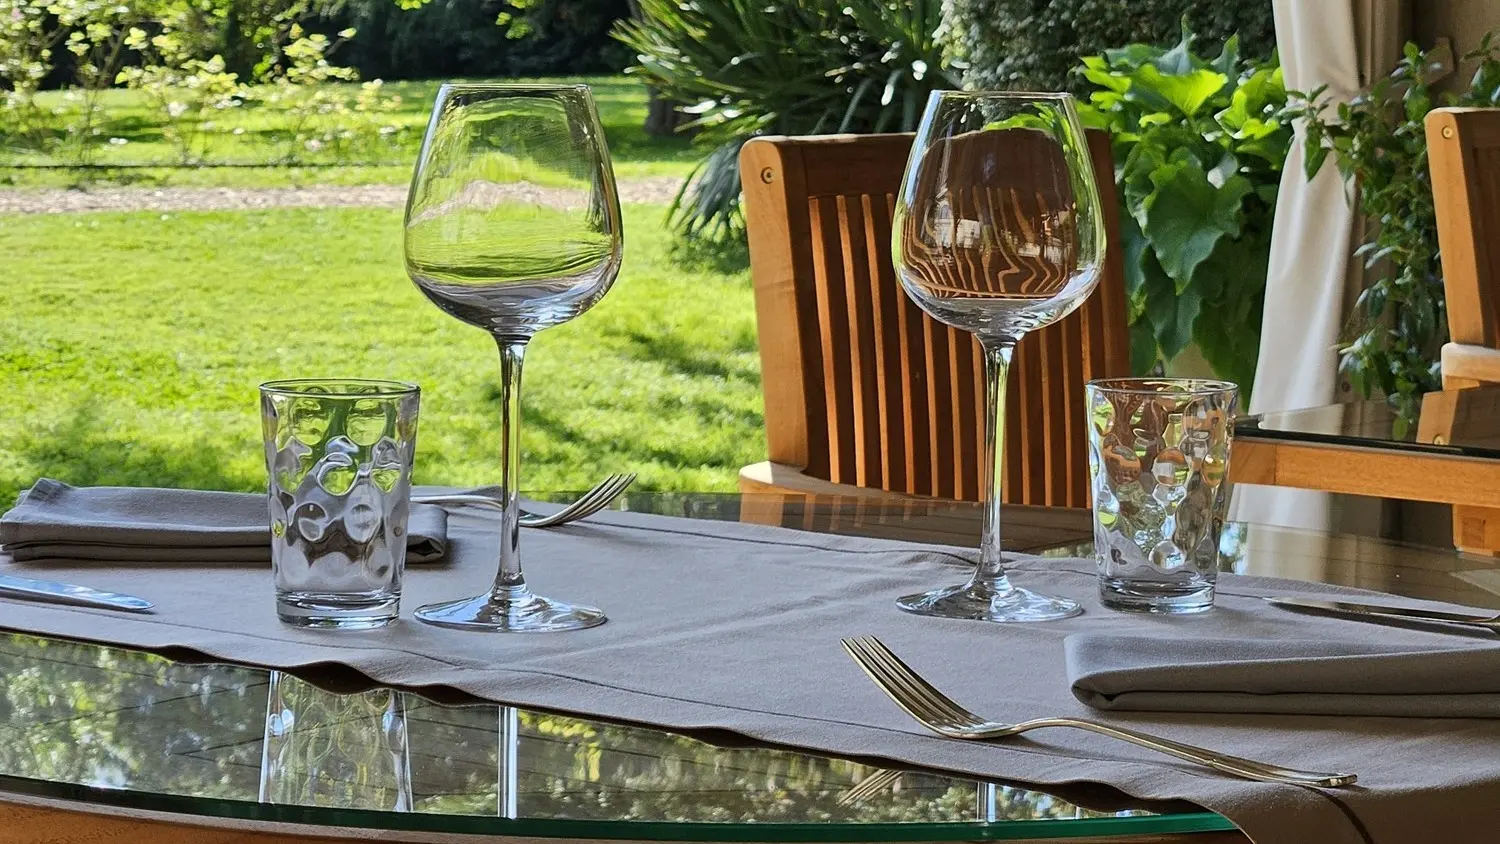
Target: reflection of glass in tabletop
340 751
139 723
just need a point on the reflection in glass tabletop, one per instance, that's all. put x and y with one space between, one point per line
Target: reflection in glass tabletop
1465 422
118 728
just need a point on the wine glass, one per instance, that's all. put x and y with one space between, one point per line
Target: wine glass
997 231
513 225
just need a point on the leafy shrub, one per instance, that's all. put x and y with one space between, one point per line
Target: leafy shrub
1199 147
564 36
1034 44
439 39
301 91
791 67
433 39
28 35
184 86
1400 321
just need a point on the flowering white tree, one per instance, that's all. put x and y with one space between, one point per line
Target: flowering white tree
176 59
28 36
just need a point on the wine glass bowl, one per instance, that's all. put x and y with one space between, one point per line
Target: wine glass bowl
997 231
512 222
513 225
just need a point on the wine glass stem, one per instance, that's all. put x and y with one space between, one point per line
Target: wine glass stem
510 584
990 576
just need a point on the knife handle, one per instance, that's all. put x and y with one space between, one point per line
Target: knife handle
53 592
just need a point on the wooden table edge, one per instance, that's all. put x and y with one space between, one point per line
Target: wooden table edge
1359 470
26 819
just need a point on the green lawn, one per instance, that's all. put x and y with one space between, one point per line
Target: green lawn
132 134
131 344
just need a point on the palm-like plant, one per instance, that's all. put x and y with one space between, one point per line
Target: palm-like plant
792 67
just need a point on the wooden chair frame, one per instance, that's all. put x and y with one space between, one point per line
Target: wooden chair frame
1464 158
863 391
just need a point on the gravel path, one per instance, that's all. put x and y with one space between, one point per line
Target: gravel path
658 190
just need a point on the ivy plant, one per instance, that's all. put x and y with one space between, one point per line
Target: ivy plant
1379 143
1199 145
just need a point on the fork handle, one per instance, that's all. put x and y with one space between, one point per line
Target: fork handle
1229 764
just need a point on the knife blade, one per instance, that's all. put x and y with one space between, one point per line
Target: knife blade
1352 608
50 591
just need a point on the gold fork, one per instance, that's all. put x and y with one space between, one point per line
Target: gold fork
939 713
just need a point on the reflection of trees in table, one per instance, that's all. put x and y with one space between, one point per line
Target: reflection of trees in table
84 714
87 714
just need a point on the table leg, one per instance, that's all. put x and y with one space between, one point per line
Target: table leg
1476 530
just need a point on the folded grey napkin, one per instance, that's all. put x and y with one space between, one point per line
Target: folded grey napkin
54 521
1287 676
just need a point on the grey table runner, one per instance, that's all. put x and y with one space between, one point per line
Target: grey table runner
735 627
53 521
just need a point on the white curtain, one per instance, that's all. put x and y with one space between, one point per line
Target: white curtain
1344 45
1312 235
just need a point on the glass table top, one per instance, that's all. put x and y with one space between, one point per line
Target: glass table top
1465 422
114 727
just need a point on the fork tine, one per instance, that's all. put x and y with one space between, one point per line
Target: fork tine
604 493
587 502
591 502
569 510
956 714
618 483
877 676
895 686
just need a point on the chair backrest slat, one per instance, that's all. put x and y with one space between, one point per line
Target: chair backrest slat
1464 159
861 386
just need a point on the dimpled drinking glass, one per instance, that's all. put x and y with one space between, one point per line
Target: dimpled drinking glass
339 455
1159 460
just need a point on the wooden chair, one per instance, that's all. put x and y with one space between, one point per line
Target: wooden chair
1464 157
864 390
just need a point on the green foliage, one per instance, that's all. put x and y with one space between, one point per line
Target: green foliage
792 67
184 86
377 126
434 39
1034 44
94 35
1199 146
175 63
29 35
1380 145
557 34
319 115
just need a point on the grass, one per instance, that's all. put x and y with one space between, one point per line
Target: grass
131 344
133 134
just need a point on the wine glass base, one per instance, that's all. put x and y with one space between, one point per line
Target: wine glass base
979 604
533 614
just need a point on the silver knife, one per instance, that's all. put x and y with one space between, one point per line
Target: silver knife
12 586
1350 608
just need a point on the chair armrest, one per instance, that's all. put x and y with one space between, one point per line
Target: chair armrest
769 477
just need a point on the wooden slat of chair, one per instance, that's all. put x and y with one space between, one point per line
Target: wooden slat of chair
862 388
1464 159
